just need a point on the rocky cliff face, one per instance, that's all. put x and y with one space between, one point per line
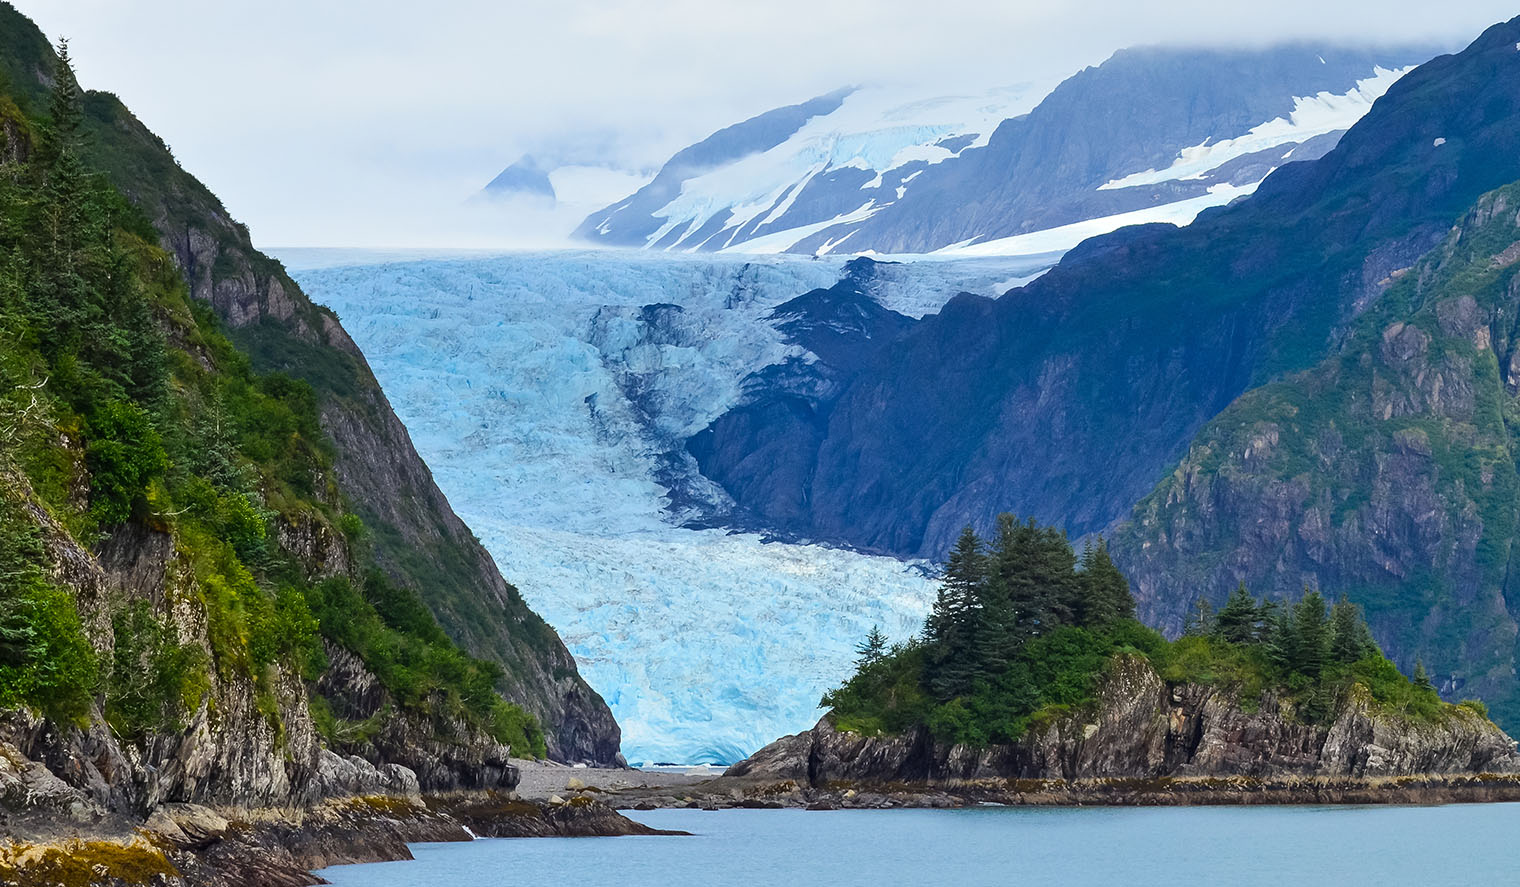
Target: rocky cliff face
245 743
1386 472
416 536
1141 727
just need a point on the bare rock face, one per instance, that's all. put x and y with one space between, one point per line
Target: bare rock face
1143 728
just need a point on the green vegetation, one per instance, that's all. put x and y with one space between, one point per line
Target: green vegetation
401 643
125 409
1024 631
1412 420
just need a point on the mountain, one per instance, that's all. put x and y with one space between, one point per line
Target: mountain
524 178
746 181
1071 398
375 475
1153 134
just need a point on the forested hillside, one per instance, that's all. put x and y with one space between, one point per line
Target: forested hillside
412 534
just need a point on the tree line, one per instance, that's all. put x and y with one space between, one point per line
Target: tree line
1024 626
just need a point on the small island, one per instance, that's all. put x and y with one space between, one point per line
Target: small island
1033 682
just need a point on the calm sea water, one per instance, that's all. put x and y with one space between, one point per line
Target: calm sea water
1278 846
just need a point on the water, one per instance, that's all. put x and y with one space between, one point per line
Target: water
1276 846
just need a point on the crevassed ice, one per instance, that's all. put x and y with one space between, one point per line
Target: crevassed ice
707 644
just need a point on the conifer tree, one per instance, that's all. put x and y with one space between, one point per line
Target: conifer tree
1422 677
1200 619
950 630
65 103
1104 592
1350 640
1005 599
1239 619
1311 635
1279 641
872 649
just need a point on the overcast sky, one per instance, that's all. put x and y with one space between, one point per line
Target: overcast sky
367 124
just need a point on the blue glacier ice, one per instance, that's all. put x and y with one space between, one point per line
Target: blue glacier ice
514 376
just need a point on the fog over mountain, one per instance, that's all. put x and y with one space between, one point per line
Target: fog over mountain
324 127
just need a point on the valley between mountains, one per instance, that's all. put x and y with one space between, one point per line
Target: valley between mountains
1147 438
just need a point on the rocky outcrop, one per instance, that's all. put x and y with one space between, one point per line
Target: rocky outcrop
1142 728
437 754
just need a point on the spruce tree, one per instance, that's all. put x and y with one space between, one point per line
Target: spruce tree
1280 639
1311 635
950 631
65 102
1239 620
1005 600
1349 639
1200 619
1104 592
872 649
1422 677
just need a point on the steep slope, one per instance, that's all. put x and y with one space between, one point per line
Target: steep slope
631 222
1161 133
1387 471
1068 398
416 536
186 611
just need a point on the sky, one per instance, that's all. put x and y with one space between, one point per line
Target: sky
371 124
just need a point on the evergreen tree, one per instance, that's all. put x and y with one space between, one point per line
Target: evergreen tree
1200 619
1310 645
1004 600
65 103
872 649
1239 620
1350 640
1104 592
1279 639
951 627
1422 677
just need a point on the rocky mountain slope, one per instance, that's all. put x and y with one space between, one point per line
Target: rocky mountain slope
1387 470
1070 398
1151 134
415 535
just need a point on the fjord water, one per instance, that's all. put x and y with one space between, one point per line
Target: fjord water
1243 846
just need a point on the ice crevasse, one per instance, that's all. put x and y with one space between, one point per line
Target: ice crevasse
549 410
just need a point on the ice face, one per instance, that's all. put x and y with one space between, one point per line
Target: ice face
547 392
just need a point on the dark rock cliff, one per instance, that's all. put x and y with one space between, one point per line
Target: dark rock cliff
1141 727
1386 472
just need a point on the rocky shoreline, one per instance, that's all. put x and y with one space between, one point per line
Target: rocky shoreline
728 793
188 845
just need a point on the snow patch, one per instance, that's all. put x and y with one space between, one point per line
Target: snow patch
873 130
1058 240
1311 116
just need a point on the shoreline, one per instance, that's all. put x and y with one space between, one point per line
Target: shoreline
743 793
191 845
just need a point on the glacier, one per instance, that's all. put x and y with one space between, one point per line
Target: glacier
550 394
